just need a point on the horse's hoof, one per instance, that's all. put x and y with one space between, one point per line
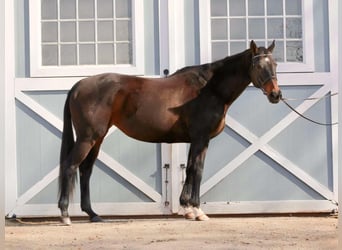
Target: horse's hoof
66 221
96 219
189 216
189 213
202 217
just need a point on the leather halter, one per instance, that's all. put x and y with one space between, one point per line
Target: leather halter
261 79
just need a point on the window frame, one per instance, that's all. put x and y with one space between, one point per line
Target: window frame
39 70
307 65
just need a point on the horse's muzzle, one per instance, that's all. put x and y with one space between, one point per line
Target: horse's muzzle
274 96
271 89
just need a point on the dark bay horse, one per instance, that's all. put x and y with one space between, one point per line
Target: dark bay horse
188 106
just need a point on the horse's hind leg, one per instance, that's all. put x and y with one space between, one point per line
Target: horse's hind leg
68 175
85 170
67 178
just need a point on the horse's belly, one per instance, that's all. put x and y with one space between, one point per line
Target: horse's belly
154 128
148 115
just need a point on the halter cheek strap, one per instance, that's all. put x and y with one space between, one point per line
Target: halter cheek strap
261 80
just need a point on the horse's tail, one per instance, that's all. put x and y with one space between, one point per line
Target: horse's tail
68 143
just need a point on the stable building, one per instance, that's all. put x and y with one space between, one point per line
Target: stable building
267 160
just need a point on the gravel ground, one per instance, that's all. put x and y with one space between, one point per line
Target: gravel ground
176 234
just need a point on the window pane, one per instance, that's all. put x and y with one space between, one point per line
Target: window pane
105 53
123 53
49 9
105 31
278 52
50 55
68 9
90 32
275 28
86 8
275 7
86 31
218 7
68 31
256 8
294 51
256 27
237 47
279 20
293 7
293 28
219 50
123 31
219 29
87 54
238 28
123 8
237 8
49 32
68 55
105 8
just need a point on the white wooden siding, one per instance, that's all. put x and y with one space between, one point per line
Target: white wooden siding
171 51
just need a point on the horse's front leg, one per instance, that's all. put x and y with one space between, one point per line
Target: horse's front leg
190 196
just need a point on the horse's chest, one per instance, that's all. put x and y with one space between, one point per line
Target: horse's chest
218 122
219 128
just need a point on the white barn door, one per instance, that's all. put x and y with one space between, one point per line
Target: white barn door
68 41
268 159
127 172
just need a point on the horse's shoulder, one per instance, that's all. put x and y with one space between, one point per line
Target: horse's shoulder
197 77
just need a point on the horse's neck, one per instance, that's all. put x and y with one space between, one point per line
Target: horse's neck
231 75
232 66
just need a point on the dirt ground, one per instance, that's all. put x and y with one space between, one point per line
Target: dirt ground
177 234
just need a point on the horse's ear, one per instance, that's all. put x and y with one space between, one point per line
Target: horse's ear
271 47
253 47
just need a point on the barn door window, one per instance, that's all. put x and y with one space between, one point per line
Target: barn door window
83 37
229 25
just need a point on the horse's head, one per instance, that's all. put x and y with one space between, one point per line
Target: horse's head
263 71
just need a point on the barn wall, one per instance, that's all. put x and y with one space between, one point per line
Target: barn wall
260 162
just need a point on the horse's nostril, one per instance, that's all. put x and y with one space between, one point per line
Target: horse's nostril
276 94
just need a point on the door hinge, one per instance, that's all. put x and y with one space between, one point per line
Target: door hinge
167 167
183 167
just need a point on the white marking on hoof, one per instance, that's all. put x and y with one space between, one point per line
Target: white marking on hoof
188 213
189 216
200 215
66 221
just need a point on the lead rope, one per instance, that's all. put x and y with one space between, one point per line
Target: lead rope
284 100
310 98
